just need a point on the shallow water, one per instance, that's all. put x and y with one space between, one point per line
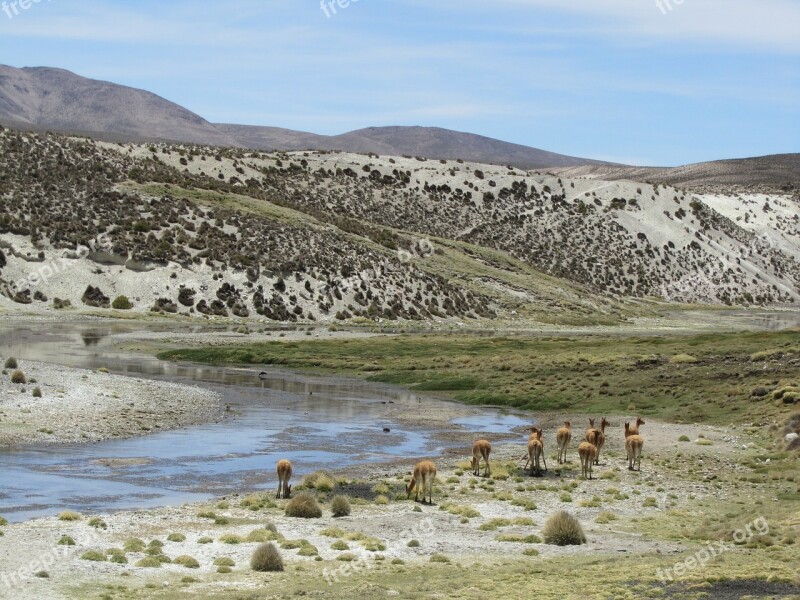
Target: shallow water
317 422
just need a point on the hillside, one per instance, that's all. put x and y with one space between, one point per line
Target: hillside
776 172
85 222
332 236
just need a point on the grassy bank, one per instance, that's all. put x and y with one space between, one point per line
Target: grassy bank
715 378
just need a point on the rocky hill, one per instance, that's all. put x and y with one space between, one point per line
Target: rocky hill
308 236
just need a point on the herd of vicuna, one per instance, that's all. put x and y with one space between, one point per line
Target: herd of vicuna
424 472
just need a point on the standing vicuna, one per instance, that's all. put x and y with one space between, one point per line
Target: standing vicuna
597 436
284 469
563 436
634 429
587 452
536 452
633 447
422 478
481 450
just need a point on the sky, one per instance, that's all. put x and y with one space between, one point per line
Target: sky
648 82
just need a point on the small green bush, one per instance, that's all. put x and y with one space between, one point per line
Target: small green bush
94 556
121 303
224 561
134 545
186 561
340 506
266 558
231 538
66 541
340 545
684 438
176 537
149 562
69 515
37 392
18 377
562 529
413 544
303 506
11 363
439 558
97 523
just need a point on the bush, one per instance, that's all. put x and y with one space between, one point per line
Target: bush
37 392
224 561
69 515
266 558
94 556
11 363
134 545
320 480
18 377
340 545
97 523
340 506
684 438
149 563
562 529
303 506
66 541
176 537
186 561
121 303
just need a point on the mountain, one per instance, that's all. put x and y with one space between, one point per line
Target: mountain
62 101
44 98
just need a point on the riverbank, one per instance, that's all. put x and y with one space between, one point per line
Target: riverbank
82 406
636 524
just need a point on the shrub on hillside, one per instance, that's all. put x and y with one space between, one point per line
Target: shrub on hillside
266 558
303 506
562 529
340 506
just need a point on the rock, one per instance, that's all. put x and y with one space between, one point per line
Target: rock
791 437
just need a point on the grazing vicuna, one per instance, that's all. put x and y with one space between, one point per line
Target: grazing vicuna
536 452
587 452
481 450
422 479
284 469
597 436
563 436
633 447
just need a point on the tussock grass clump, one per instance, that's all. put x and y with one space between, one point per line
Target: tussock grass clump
94 556
232 539
69 515
66 541
149 562
460 510
205 540
11 363
134 545
340 506
340 545
18 377
303 506
520 539
347 557
264 535
176 537
97 523
498 522
562 529
224 561
121 303
605 517
186 561
266 558
684 438
439 558
320 481
3 522
683 359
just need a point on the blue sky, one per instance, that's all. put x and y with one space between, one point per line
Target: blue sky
620 80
